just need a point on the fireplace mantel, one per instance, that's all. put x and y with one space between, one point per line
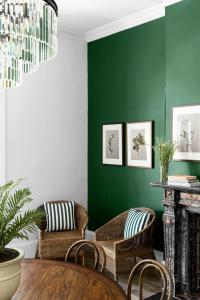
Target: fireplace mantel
181 220
191 190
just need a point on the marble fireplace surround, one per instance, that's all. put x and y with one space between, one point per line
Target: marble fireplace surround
181 221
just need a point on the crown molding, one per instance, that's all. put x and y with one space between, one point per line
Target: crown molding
170 2
147 15
138 18
133 20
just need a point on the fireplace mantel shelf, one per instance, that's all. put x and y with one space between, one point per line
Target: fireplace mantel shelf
192 190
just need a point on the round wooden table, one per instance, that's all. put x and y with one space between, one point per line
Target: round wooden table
55 280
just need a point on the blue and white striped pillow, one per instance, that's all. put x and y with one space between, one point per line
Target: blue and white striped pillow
59 216
135 222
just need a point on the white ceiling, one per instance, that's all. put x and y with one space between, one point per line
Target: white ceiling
81 16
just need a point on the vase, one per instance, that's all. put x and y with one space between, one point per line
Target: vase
164 173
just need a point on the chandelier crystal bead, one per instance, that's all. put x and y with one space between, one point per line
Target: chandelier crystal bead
28 37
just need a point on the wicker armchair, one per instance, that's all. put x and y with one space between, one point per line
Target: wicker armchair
56 244
121 253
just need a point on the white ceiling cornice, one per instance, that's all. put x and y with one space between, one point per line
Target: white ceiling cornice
138 18
131 21
147 15
170 2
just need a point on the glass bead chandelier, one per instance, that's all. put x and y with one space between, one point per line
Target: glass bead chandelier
28 37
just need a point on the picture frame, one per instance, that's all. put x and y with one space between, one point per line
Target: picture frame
139 144
112 144
186 132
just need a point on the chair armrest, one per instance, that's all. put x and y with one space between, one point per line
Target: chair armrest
112 230
81 219
41 234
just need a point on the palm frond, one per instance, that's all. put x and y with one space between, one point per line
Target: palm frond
14 223
21 225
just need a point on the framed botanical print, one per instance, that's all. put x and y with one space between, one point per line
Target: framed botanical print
139 144
112 135
186 132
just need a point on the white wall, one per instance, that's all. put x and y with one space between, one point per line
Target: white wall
46 127
2 138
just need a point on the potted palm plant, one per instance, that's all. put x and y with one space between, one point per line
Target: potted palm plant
13 224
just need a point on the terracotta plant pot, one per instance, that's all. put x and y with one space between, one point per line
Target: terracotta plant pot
10 275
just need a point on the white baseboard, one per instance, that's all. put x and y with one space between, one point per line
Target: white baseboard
30 247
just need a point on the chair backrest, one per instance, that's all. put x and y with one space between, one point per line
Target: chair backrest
81 215
142 266
81 249
148 210
115 227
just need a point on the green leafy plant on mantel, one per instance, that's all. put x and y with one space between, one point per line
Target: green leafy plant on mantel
164 151
14 223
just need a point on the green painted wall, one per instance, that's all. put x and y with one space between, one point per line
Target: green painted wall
183 65
136 75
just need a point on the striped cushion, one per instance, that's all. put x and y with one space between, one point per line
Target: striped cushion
135 222
59 216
